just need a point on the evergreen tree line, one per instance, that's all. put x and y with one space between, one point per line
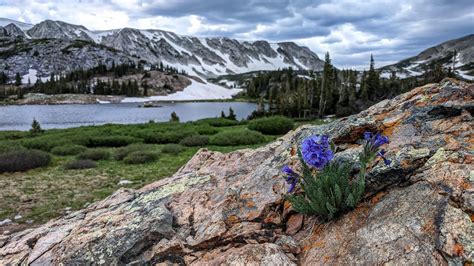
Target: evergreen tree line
82 81
331 91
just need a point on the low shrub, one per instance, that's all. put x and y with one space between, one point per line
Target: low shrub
94 154
194 141
44 143
80 164
275 125
172 149
139 157
237 137
206 129
23 160
168 136
218 122
9 145
111 141
121 153
69 149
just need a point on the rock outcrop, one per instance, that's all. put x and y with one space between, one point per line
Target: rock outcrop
222 209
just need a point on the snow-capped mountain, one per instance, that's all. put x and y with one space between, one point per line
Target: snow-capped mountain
205 57
457 54
23 26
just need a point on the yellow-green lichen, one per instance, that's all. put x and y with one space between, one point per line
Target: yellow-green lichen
440 155
174 188
419 153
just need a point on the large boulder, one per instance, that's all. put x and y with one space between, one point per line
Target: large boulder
229 209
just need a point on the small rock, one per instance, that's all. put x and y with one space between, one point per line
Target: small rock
288 244
273 218
294 224
124 182
17 217
5 222
25 198
29 221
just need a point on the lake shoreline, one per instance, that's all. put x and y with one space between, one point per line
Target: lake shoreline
90 99
20 117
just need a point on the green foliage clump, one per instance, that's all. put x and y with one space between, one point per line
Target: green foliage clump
328 193
44 143
9 145
172 136
68 149
94 154
139 157
23 160
206 129
80 164
121 153
195 141
275 125
237 137
111 141
218 122
173 149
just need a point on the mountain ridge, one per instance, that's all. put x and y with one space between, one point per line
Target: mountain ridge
205 57
442 54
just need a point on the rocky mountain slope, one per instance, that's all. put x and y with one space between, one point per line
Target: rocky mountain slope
205 57
442 54
230 208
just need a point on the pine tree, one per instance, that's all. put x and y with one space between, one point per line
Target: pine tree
17 79
326 85
35 127
174 117
223 114
3 78
232 115
373 88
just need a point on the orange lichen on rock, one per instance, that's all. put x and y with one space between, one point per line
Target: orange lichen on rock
375 199
233 219
458 249
429 227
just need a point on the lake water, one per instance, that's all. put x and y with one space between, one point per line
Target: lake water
19 117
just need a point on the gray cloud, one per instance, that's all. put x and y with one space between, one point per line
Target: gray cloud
349 29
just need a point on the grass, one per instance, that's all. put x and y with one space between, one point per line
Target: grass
43 193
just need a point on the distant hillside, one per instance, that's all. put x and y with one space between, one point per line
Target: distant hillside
457 54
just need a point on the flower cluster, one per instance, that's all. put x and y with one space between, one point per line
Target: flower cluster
372 144
316 151
331 190
291 177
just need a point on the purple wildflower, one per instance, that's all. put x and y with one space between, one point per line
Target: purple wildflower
381 154
292 177
380 140
316 151
368 135
373 143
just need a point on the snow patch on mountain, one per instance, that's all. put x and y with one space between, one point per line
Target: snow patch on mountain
30 77
23 26
195 91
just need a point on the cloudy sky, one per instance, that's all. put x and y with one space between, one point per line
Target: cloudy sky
350 30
